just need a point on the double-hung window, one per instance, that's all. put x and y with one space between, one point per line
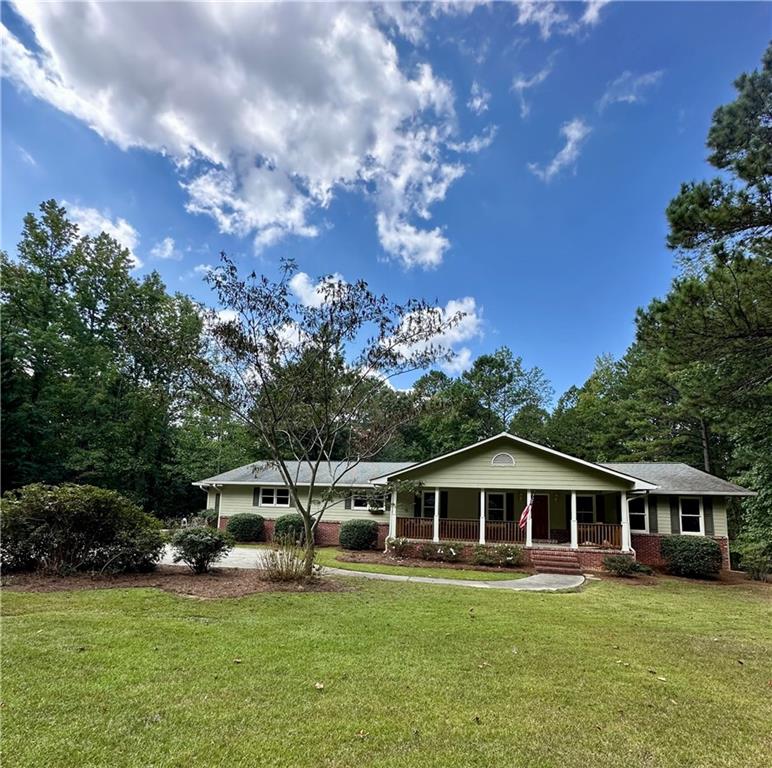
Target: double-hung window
496 507
427 504
691 515
360 502
274 497
585 509
637 512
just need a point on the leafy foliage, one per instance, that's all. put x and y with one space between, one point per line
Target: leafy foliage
442 552
498 555
358 534
76 528
755 558
693 556
285 561
289 526
246 527
624 565
200 548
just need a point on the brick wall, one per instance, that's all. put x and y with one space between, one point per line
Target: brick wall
647 549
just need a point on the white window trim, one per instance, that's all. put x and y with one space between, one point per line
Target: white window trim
424 507
701 532
357 498
275 502
503 495
645 528
584 512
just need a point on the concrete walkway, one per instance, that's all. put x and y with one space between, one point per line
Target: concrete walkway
246 557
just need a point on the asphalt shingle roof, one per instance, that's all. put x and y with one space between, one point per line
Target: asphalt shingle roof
264 472
678 478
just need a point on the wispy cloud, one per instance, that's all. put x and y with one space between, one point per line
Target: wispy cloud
521 84
552 18
479 99
575 133
166 250
629 88
26 156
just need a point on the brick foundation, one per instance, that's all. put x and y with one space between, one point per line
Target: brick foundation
647 549
327 532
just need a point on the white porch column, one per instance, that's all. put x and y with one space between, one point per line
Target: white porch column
529 523
626 543
436 533
393 516
482 516
574 525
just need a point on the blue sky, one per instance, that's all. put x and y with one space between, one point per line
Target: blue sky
513 160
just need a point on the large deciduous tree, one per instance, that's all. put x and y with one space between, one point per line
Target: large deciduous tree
313 381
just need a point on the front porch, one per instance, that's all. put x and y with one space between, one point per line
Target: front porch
560 518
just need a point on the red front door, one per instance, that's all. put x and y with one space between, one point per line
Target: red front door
540 513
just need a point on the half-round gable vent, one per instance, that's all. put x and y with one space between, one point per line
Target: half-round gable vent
503 460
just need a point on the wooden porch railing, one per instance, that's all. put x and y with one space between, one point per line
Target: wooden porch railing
496 533
600 535
415 528
459 530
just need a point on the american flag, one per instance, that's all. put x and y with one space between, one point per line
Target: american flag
526 512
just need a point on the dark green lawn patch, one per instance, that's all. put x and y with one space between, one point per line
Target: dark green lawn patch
675 674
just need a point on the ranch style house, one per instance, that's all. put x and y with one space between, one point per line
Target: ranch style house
581 511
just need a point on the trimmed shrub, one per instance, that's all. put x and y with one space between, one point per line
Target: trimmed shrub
755 558
498 555
624 566
210 517
359 534
442 552
694 556
246 527
399 547
200 548
289 526
66 528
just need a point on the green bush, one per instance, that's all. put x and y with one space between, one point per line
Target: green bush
289 526
694 556
210 516
200 548
359 534
498 555
442 552
755 558
399 547
76 528
246 527
285 561
624 565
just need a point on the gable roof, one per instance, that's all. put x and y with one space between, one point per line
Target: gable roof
267 473
678 478
638 483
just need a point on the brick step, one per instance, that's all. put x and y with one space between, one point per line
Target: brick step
553 558
553 553
556 562
555 569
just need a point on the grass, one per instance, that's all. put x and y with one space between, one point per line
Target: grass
414 675
328 556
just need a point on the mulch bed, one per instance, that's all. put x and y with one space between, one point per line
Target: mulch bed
380 558
221 582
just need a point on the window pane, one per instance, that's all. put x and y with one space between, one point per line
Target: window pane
584 517
690 507
282 496
584 503
267 496
360 502
637 522
690 524
636 506
495 506
429 504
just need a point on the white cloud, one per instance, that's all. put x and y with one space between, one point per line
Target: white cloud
203 269
629 88
92 222
469 327
575 132
521 84
26 156
477 143
479 99
309 293
165 250
553 19
266 109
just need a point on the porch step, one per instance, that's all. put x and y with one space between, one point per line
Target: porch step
555 561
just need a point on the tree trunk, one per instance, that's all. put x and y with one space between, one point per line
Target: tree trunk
310 549
705 439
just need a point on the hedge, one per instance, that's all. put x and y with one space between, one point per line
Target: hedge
694 556
358 534
246 527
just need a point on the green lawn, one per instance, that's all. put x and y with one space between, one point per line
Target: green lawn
414 675
328 556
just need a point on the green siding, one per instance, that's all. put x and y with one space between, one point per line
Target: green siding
533 469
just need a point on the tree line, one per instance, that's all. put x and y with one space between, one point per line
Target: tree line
99 368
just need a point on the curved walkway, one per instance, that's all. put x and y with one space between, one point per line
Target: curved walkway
246 557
